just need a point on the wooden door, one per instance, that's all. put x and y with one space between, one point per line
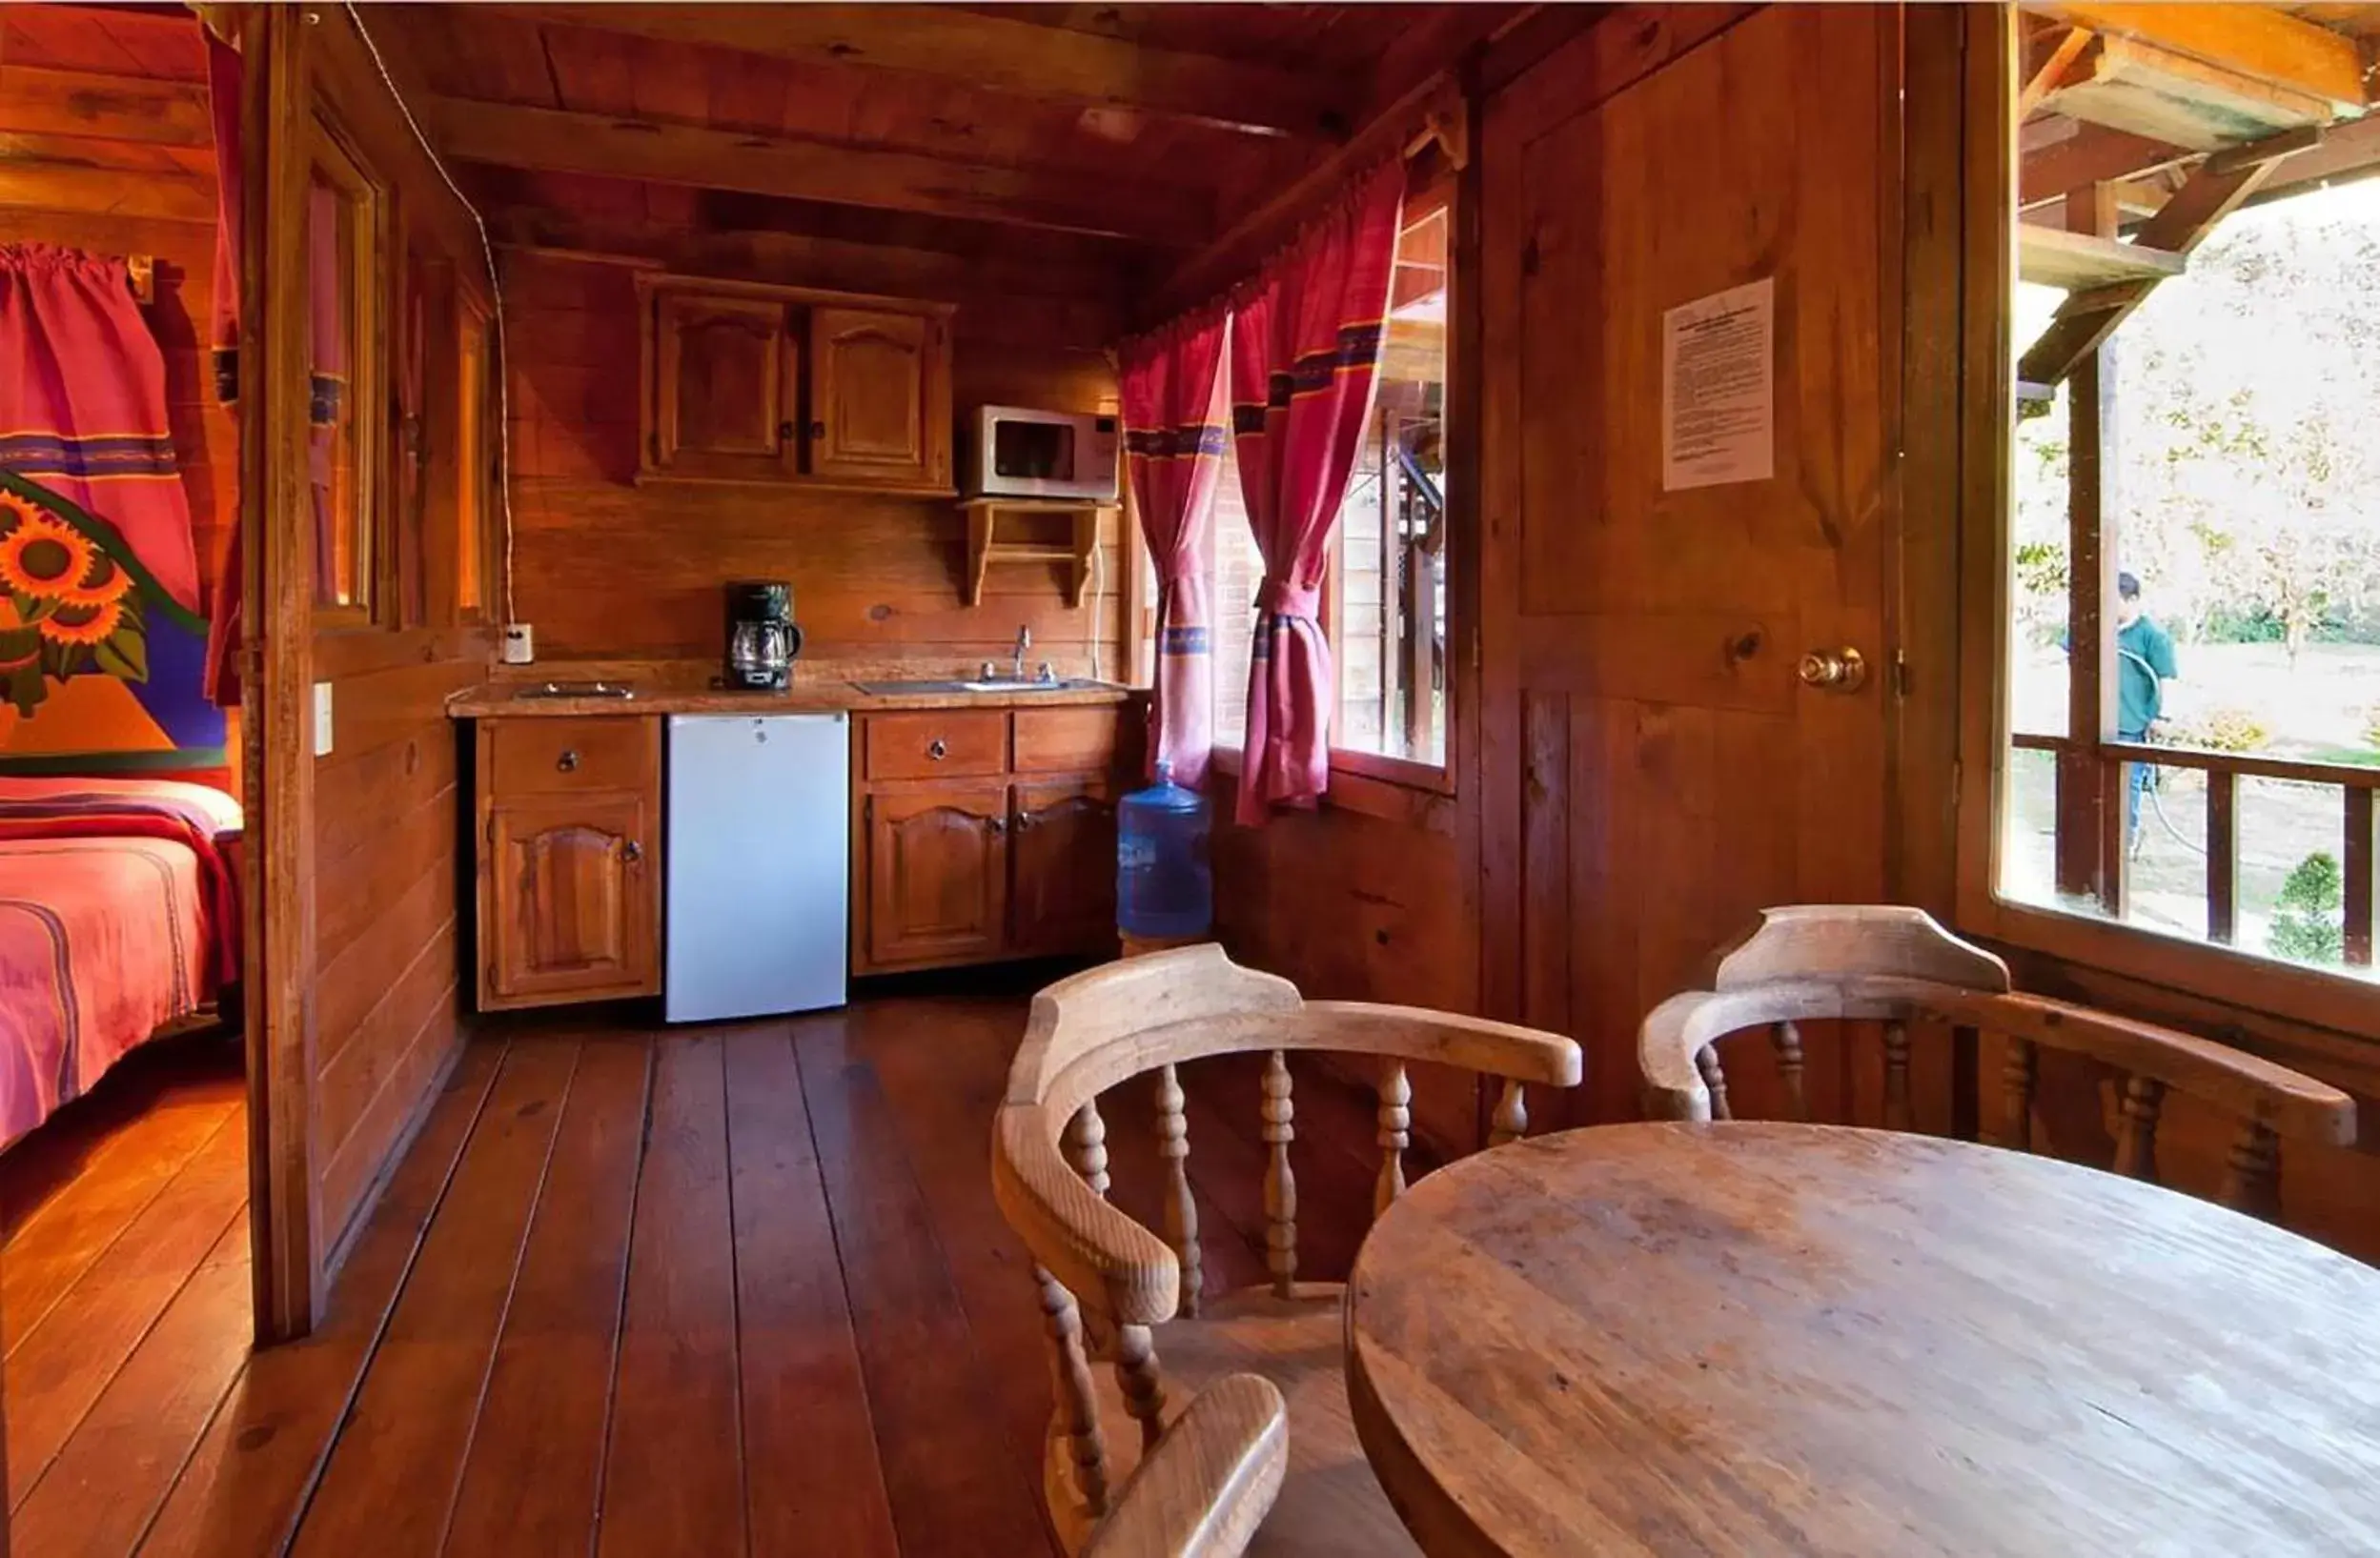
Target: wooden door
1062 868
937 875
721 391
876 392
571 902
1654 769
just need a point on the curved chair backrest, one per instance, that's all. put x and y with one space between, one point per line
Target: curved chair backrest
1209 1482
1895 965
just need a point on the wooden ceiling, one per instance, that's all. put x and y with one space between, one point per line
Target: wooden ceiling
1148 128
105 112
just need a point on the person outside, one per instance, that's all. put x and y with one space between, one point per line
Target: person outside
2144 663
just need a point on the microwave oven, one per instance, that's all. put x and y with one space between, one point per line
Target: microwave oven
1017 453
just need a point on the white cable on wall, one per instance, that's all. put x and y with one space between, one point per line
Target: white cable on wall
495 291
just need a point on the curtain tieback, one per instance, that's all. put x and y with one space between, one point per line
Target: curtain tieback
1277 598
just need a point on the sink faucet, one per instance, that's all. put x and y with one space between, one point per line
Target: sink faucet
1024 642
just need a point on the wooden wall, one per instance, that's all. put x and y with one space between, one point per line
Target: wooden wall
388 817
605 569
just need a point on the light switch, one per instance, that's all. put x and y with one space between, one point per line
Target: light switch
321 719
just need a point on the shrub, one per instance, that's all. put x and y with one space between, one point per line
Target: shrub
2306 925
2225 729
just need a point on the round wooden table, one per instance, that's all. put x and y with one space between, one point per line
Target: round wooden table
1751 1338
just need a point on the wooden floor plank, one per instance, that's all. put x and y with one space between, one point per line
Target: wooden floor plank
66 1361
107 1484
44 1161
391 1481
673 1468
242 1490
948 1471
86 1218
537 1453
814 1483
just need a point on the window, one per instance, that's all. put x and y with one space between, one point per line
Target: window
1385 600
474 499
2189 726
343 235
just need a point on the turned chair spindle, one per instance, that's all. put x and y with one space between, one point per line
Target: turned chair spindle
1511 1120
1715 1080
1087 1147
1790 1064
1138 1377
1893 965
1896 1076
1181 1208
1071 1382
1396 1120
1280 1129
2136 1146
2015 1095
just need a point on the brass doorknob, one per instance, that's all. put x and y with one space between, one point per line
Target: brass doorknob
1842 669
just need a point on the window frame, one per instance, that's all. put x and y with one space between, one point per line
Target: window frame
2206 969
332 155
474 321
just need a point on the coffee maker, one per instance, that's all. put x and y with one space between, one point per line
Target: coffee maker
762 637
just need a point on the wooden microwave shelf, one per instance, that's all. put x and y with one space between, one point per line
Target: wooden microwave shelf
988 517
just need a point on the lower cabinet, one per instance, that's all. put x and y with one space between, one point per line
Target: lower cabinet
937 875
569 900
999 860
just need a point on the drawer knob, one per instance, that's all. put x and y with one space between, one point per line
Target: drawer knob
569 761
937 749
1023 821
999 824
632 852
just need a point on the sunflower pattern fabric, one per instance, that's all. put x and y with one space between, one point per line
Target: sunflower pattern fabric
96 556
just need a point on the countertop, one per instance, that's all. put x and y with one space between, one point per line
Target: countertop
503 699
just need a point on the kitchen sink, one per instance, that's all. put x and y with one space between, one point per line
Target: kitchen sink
993 684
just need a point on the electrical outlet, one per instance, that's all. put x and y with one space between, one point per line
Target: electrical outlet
321 719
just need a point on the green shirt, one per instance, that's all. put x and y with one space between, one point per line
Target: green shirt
2143 664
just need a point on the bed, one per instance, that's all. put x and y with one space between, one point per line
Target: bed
119 918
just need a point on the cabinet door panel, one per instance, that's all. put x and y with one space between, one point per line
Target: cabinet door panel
1061 894
879 397
937 875
568 900
720 395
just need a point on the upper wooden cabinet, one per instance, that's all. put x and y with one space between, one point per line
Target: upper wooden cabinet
728 377
748 382
880 383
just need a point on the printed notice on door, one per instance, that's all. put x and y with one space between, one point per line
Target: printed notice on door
1719 390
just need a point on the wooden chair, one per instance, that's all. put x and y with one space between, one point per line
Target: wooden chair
1142 1018
1204 1490
1897 966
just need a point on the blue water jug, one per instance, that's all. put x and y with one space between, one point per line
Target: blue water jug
1163 887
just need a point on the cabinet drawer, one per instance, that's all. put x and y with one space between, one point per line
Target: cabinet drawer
531 756
937 744
1075 741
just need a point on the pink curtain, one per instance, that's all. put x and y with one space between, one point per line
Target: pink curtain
223 88
1173 434
1304 359
82 404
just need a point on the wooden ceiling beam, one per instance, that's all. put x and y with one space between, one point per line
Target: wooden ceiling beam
548 140
2093 154
2259 41
38 100
1030 59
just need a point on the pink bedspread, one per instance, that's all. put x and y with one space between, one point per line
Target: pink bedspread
103 939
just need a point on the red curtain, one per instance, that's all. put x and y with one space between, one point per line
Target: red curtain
223 88
82 403
1304 359
1173 432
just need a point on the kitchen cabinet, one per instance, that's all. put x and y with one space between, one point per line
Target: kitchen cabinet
878 383
748 382
726 382
937 877
986 834
569 900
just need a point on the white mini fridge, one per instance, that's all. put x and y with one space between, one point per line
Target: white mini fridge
759 877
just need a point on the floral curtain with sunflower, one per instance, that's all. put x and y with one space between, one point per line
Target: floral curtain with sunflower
94 524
